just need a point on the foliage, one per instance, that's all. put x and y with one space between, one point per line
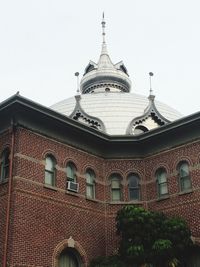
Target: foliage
111 261
151 237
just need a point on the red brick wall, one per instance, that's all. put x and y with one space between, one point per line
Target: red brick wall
4 142
44 217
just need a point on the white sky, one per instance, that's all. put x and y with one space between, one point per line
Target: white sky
44 42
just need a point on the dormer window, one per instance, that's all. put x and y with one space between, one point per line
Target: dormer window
140 129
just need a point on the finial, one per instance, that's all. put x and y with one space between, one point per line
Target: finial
77 75
103 23
150 75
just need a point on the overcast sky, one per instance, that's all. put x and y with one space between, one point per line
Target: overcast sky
44 42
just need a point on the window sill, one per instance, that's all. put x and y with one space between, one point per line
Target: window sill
68 192
91 199
53 188
161 198
120 202
135 201
188 191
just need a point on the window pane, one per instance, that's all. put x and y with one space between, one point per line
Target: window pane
184 170
185 183
49 178
116 195
5 165
90 191
49 164
115 184
134 194
89 178
6 172
69 171
163 189
162 177
133 181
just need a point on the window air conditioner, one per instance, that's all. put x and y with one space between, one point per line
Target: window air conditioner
72 186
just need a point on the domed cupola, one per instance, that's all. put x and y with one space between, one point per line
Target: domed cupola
104 75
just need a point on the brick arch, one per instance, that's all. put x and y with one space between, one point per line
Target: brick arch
117 171
65 244
183 158
49 152
130 171
160 165
70 159
91 167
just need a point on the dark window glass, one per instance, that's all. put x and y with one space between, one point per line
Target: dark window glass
134 186
5 165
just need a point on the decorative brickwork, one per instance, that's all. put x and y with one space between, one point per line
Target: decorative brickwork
43 218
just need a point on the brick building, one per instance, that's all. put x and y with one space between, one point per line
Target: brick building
66 170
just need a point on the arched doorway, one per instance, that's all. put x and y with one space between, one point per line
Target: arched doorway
69 258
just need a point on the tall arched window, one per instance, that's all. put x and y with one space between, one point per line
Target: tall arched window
134 186
5 165
90 183
184 176
116 187
71 172
68 258
50 164
161 179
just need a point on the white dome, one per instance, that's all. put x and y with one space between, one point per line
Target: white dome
116 110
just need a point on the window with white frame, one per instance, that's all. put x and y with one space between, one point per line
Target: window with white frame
50 170
161 179
71 172
184 176
116 194
90 183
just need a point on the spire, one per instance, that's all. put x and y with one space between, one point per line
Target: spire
104 60
104 46
150 90
103 23
104 75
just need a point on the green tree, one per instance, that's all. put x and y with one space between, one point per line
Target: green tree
151 237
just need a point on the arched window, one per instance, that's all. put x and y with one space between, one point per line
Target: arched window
184 176
68 258
134 186
90 183
71 172
5 165
140 129
116 187
50 170
161 179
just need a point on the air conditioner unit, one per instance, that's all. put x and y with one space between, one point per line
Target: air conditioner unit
72 186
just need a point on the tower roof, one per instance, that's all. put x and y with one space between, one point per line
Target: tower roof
104 75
